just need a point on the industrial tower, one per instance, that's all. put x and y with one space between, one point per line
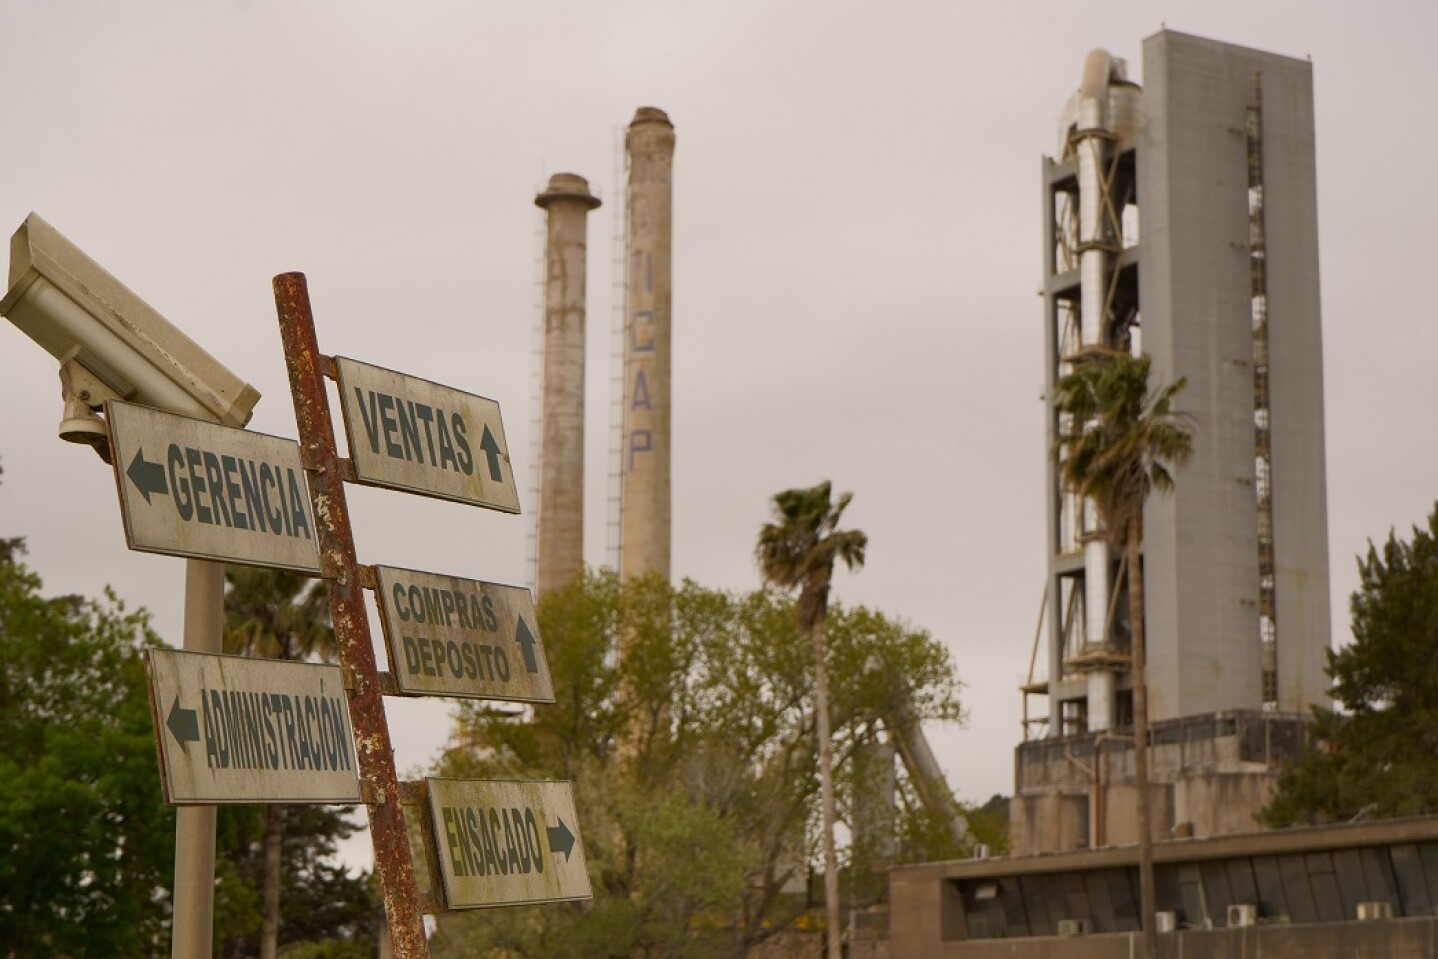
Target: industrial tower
560 548
644 536
1181 221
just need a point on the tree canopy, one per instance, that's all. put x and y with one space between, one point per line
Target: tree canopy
701 842
86 841
1377 753
799 549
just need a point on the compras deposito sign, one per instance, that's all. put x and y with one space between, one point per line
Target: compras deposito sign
411 434
449 636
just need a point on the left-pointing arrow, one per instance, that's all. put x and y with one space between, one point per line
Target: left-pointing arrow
148 477
184 724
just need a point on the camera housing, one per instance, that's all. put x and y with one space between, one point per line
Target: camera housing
110 343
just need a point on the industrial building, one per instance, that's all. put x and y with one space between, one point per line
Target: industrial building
560 534
1180 221
1362 889
645 471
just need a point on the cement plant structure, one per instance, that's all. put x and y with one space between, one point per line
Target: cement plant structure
644 472
1180 221
645 503
560 534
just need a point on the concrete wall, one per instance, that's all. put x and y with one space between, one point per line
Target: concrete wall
1306 884
1212 772
1194 281
1383 939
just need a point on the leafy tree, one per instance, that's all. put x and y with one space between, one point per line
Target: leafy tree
326 907
696 845
1378 754
276 614
799 550
86 842
1117 445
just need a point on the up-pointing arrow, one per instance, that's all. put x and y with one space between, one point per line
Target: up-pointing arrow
184 724
490 448
148 477
560 839
525 639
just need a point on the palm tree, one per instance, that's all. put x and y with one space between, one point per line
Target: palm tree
800 549
276 615
1116 445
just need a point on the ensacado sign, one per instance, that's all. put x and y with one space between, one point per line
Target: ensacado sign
409 434
449 636
232 729
504 842
198 489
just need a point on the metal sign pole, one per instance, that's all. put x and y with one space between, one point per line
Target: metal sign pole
192 931
374 751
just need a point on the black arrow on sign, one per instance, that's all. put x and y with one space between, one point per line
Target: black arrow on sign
526 645
490 448
560 839
184 724
148 477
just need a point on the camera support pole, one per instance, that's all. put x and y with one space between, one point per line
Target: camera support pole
192 930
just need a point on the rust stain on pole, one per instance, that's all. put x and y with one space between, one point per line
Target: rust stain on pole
374 751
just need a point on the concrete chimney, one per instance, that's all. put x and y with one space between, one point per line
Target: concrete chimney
645 527
567 202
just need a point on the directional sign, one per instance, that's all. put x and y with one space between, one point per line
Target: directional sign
503 842
459 637
410 434
198 489
231 729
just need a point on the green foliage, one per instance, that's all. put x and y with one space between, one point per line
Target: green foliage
322 902
86 843
1378 755
323 910
799 549
693 764
1117 439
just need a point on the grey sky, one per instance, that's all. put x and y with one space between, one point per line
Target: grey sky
856 258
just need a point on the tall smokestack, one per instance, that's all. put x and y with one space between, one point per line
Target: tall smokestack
645 503
567 202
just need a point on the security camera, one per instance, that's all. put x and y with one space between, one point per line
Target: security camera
110 343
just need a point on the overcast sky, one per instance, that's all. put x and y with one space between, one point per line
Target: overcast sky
856 260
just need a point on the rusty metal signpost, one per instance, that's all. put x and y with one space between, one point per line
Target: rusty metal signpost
445 635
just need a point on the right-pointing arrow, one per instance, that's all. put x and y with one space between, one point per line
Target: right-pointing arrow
560 839
184 724
148 477
525 639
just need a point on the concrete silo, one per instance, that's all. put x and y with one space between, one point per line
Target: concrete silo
1181 222
560 549
644 537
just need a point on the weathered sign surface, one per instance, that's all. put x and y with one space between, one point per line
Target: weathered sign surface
449 636
410 434
504 842
198 489
231 729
